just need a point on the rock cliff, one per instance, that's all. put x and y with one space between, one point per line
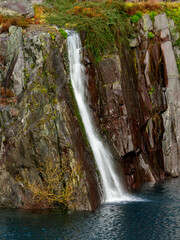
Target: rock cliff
39 121
134 98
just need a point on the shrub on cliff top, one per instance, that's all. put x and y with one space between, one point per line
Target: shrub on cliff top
104 22
135 18
7 21
21 21
152 15
63 33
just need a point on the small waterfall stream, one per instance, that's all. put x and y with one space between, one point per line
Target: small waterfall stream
112 187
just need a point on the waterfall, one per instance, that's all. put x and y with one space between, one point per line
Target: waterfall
112 187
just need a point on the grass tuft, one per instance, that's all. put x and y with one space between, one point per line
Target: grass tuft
102 21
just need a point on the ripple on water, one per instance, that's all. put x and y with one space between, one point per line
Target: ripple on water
153 213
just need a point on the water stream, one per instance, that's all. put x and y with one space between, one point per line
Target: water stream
112 187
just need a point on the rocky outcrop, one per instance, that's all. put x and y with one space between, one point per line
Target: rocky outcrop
40 129
171 135
137 92
16 8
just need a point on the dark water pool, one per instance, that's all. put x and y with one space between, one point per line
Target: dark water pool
156 217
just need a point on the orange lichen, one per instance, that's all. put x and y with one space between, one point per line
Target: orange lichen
7 97
7 21
86 11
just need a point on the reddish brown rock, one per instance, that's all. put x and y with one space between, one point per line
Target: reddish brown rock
134 95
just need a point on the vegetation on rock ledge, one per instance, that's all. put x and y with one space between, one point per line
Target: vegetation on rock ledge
57 187
104 21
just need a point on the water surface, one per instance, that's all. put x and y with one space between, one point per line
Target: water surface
157 216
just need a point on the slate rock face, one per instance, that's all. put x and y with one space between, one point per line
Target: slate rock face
16 8
41 125
138 103
15 43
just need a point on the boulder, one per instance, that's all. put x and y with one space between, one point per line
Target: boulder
16 8
160 22
146 23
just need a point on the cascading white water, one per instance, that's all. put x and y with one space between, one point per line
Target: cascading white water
112 187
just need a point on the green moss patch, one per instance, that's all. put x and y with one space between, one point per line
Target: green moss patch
150 35
63 33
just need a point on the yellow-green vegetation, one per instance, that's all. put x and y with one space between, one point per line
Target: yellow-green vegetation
7 21
172 10
152 15
150 35
135 18
56 189
63 33
105 22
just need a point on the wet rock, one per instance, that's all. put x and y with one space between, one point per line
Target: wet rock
9 189
110 69
148 173
115 117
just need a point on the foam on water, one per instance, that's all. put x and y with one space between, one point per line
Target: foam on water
126 198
